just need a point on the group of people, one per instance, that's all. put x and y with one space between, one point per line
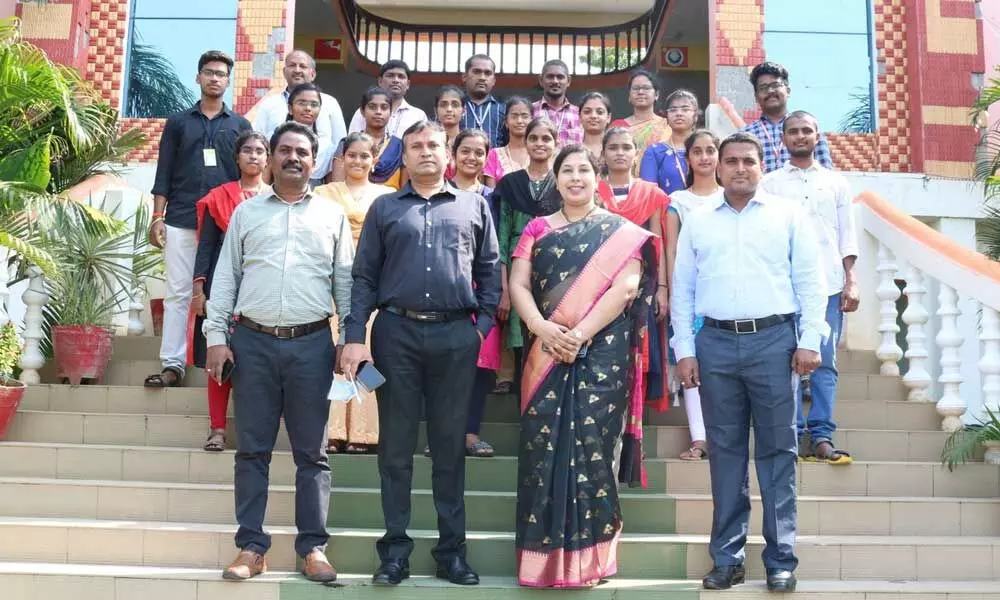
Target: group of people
545 232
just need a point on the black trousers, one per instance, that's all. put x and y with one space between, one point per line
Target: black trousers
433 363
276 378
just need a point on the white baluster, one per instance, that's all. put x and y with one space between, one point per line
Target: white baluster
916 316
989 364
34 298
888 351
4 292
135 307
950 406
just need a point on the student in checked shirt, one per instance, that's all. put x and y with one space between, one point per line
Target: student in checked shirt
826 197
555 106
749 263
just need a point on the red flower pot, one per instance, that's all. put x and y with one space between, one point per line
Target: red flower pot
81 351
156 312
10 399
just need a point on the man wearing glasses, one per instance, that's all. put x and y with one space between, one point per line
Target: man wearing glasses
197 153
770 85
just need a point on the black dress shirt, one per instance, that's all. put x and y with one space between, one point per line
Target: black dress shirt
181 174
426 254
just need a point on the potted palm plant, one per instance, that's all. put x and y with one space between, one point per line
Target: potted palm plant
11 390
966 443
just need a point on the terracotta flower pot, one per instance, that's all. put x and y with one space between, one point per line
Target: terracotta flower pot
156 313
10 399
81 351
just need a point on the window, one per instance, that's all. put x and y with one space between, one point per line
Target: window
828 51
165 41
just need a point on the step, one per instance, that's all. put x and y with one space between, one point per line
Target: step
135 543
34 581
190 431
491 511
192 465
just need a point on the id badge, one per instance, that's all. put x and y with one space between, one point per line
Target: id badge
209 156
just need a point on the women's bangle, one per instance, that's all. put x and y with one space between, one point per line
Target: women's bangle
156 220
157 215
662 285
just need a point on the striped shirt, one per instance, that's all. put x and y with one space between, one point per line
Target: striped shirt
282 264
489 117
566 119
775 154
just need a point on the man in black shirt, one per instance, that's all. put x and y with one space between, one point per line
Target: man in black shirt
427 259
197 153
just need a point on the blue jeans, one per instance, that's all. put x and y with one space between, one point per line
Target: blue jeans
823 382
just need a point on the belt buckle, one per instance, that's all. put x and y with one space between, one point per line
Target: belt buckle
752 322
423 316
279 330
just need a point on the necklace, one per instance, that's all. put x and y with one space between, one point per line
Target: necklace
570 221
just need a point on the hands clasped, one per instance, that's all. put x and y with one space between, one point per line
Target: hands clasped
559 341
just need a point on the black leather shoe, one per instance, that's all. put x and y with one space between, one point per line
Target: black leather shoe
780 580
723 578
457 571
391 572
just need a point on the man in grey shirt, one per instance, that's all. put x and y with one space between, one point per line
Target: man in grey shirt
285 261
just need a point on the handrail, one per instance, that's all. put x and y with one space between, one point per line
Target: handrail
621 47
963 269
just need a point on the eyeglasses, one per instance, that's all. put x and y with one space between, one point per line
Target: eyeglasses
770 87
307 104
214 73
642 88
680 110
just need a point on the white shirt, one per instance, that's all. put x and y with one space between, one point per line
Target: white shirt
747 265
399 121
826 197
273 111
685 202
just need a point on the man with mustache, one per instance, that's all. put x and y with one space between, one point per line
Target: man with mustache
394 77
826 197
273 109
770 86
482 109
285 261
749 263
555 106
197 153
428 260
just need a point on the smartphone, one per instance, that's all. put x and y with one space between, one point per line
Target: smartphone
227 371
369 377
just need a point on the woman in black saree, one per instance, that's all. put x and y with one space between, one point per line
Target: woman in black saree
581 279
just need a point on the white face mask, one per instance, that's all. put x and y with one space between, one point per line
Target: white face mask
343 390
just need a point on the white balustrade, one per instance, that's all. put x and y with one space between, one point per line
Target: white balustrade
888 350
135 307
4 292
951 406
916 316
989 363
34 299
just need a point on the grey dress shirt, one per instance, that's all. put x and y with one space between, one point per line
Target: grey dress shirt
281 265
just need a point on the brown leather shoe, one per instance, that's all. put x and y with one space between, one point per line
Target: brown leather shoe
318 568
247 564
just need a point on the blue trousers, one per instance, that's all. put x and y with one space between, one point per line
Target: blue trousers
823 382
746 377
275 378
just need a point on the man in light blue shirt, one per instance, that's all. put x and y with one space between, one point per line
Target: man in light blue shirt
749 264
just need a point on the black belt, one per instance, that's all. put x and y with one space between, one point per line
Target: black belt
748 325
428 316
285 333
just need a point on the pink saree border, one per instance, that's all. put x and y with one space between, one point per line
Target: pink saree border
568 569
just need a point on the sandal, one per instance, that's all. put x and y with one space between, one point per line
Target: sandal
216 441
697 451
830 455
358 449
334 446
161 380
480 449
503 387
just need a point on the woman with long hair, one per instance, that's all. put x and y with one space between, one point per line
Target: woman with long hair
665 163
354 424
581 278
702 149
520 197
513 156
304 103
595 115
214 212
644 204
647 127
449 108
376 108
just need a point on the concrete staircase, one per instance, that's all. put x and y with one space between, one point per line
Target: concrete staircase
105 494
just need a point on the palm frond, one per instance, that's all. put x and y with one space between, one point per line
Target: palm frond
154 89
859 118
31 253
966 443
988 232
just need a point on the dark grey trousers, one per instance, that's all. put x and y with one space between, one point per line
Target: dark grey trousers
746 377
432 363
275 378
